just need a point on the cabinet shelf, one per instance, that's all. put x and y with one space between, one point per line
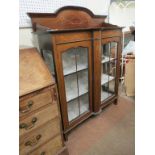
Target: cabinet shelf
76 84
71 95
73 72
106 78
107 59
105 95
72 69
73 107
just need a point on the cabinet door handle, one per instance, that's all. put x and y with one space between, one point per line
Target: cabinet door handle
27 108
43 153
34 141
29 125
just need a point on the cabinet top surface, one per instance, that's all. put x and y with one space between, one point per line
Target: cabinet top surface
33 73
69 18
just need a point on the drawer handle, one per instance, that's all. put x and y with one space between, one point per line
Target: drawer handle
43 153
33 142
27 108
29 125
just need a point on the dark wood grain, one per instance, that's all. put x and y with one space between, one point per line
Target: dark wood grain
60 78
71 27
69 17
38 89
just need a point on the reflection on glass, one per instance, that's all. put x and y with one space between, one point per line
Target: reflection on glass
82 58
75 70
112 86
83 82
84 103
108 69
73 109
71 87
113 48
48 57
69 62
104 92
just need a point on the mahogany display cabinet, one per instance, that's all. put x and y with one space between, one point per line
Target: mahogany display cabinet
82 52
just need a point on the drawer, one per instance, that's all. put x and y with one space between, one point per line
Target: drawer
50 148
32 140
111 33
33 102
35 120
72 37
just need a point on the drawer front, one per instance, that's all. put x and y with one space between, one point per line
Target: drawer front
111 33
72 37
31 141
50 148
35 102
37 119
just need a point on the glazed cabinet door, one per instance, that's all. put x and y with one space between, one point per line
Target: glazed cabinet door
74 75
110 58
107 70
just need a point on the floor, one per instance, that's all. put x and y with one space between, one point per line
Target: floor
110 133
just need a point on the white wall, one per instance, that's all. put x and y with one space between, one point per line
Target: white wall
27 39
122 14
122 17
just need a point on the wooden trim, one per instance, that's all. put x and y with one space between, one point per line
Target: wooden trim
45 89
63 38
111 33
109 101
78 121
67 18
40 15
97 68
58 51
119 48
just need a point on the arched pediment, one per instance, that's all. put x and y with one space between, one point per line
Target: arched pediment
68 17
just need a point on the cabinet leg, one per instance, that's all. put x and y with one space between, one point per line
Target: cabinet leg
115 101
97 113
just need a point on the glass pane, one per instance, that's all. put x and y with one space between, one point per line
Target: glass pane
71 87
83 82
69 62
75 70
112 68
113 52
105 73
108 69
73 109
82 58
105 53
84 103
112 73
104 92
111 87
48 57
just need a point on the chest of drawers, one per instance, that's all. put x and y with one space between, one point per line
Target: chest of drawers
40 130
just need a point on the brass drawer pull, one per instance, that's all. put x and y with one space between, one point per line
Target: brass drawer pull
33 142
27 108
43 153
29 125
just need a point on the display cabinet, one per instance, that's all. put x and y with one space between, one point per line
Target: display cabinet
83 54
